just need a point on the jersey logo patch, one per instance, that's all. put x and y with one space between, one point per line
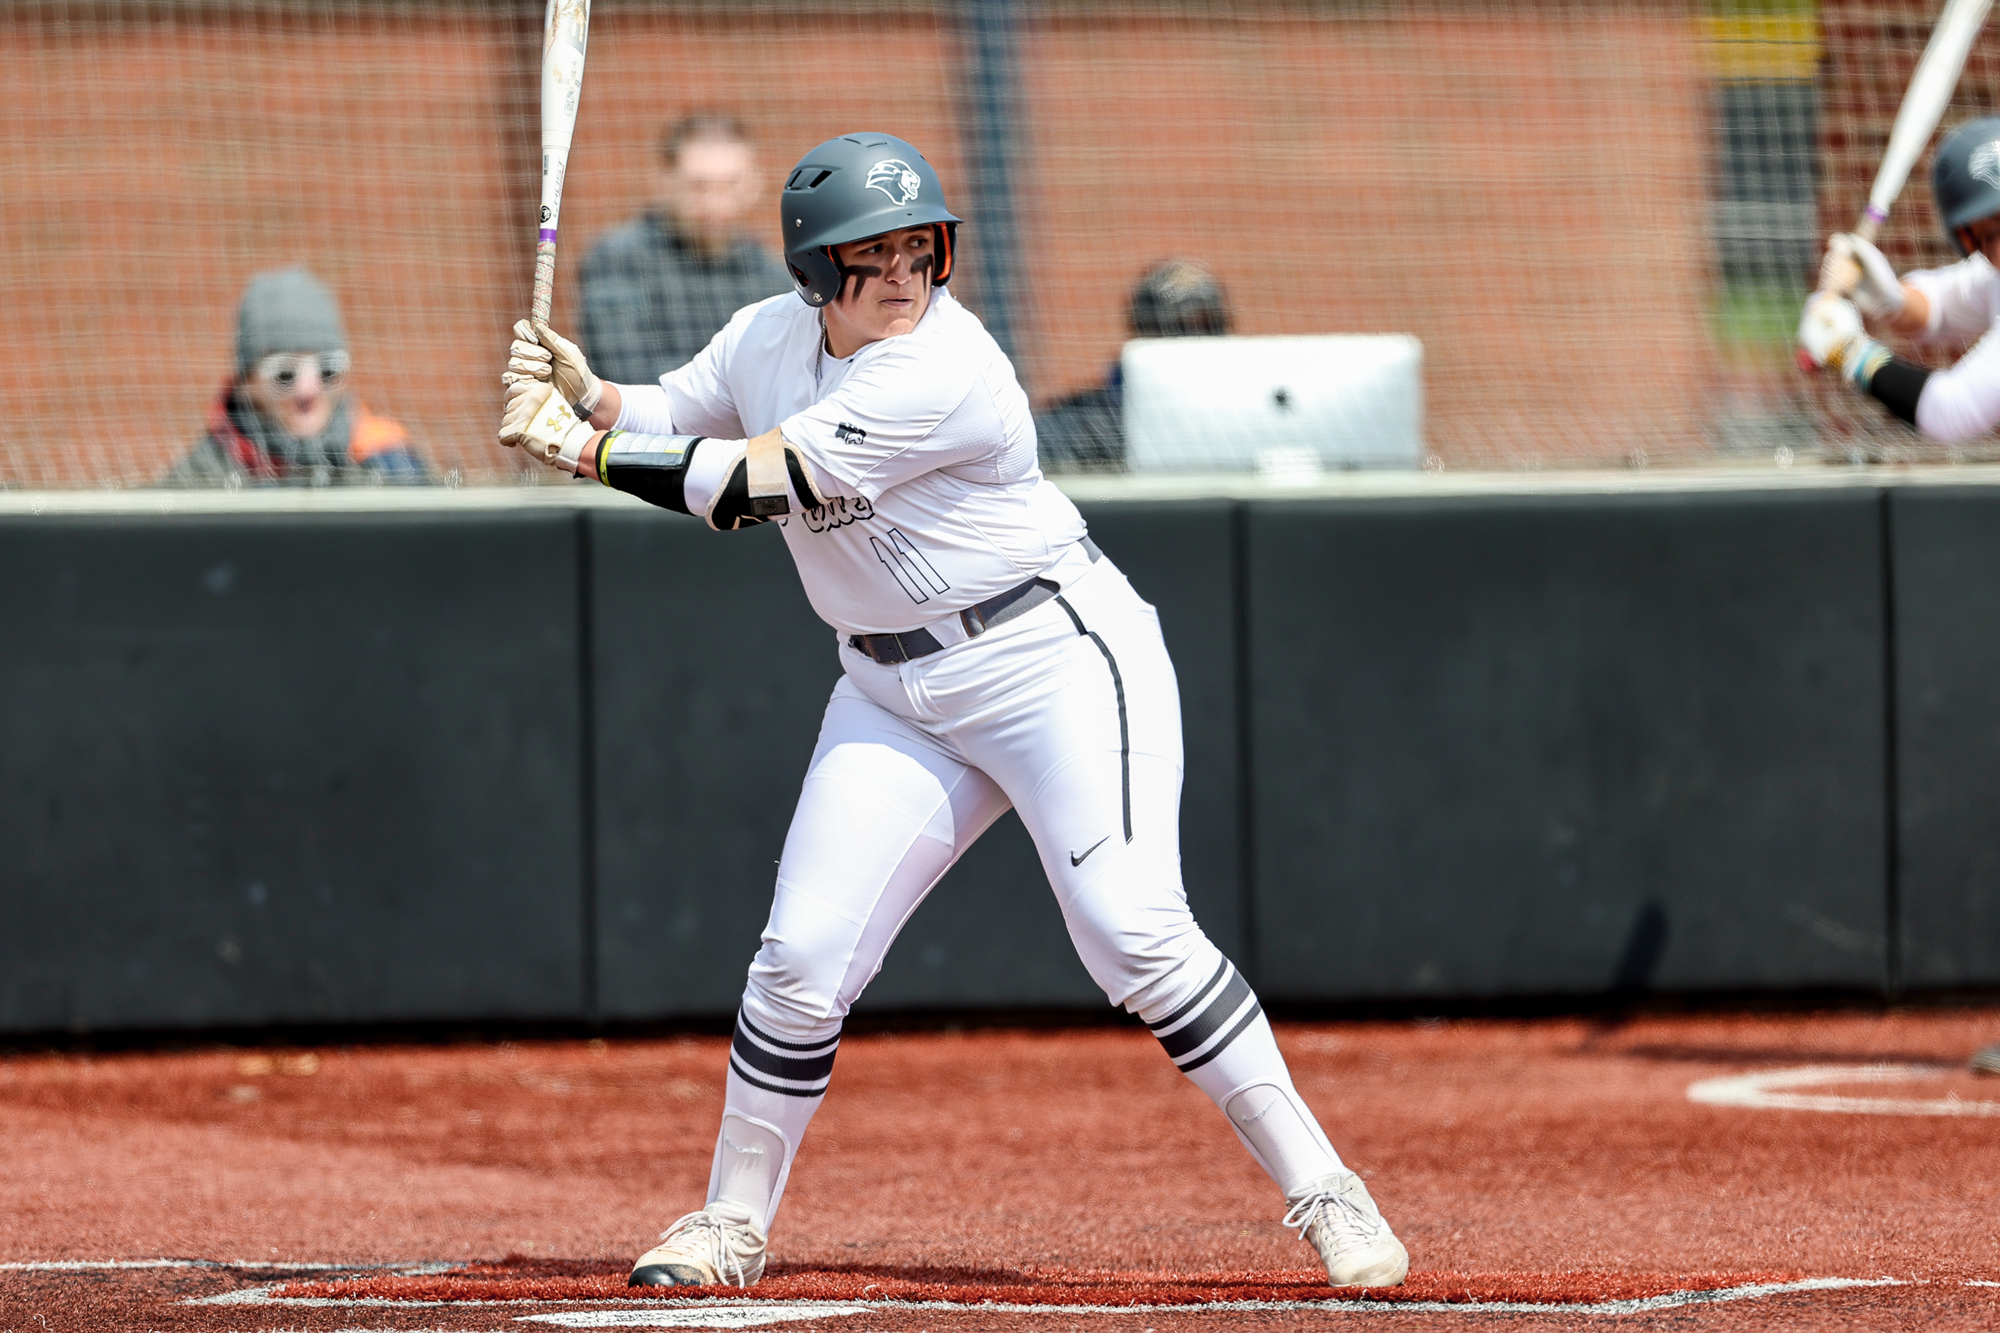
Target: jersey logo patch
1985 163
850 434
897 179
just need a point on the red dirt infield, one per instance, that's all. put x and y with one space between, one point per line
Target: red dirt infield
1545 1174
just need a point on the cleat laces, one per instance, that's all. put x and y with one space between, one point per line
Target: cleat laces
706 1237
1348 1224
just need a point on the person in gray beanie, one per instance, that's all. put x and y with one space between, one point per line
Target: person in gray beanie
286 418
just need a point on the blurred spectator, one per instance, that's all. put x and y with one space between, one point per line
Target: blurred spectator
658 288
1086 431
286 417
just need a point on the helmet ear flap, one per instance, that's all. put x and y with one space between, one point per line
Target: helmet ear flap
816 275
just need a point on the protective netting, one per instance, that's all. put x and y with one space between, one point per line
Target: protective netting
1599 219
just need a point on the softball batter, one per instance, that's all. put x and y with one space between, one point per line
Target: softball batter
993 657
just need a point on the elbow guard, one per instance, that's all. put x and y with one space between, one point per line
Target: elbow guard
767 477
776 474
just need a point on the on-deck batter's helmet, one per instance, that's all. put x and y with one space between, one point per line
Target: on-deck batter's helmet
1965 178
849 189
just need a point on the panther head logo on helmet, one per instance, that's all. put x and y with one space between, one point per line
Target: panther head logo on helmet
1984 165
895 178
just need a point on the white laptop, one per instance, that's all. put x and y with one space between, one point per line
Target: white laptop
1288 407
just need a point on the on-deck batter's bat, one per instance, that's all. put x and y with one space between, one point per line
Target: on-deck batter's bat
1923 103
565 31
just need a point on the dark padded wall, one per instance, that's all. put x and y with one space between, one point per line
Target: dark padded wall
1946 558
288 768
710 673
1534 745
700 754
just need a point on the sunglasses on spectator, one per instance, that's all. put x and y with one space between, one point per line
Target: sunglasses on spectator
281 370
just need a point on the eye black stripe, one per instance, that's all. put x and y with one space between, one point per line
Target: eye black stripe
1205 1024
756 1082
1188 1008
1221 1046
812 1070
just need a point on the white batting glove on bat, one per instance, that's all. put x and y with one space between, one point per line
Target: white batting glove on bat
545 428
1854 268
539 352
1830 335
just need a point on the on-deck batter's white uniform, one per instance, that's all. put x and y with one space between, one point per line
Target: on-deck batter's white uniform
1963 401
1069 713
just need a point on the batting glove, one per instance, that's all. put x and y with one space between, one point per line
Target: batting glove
540 353
545 428
1854 268
1830 335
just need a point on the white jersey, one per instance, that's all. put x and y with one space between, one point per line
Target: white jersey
923 442
1964 303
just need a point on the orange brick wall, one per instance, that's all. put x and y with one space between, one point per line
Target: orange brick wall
1519 186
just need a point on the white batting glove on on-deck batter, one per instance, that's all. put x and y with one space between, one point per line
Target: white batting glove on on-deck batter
540 353
1854 268
545 428
1830 335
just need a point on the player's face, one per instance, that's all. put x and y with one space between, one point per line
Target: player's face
1985 235
298 390
886 290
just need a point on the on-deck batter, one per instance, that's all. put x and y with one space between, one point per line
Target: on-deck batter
1950 304
993 657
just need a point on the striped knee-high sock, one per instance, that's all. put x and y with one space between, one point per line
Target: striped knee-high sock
774 1085
1221 1040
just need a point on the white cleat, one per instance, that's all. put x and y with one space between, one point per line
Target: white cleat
717 1246
1336 1217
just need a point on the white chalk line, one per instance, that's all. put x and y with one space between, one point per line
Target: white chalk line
261 1296
672 1313
1766 1091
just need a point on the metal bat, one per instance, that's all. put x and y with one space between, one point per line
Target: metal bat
565 32
1923 104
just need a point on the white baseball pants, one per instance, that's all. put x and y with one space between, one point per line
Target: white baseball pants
1070 714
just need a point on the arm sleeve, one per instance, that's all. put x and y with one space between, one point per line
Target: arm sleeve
1960 297
644 409
897 417
1963 401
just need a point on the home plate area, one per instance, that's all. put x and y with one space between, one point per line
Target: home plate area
815 1294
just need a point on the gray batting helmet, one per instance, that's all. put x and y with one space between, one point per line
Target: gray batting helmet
849 189
1965 178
